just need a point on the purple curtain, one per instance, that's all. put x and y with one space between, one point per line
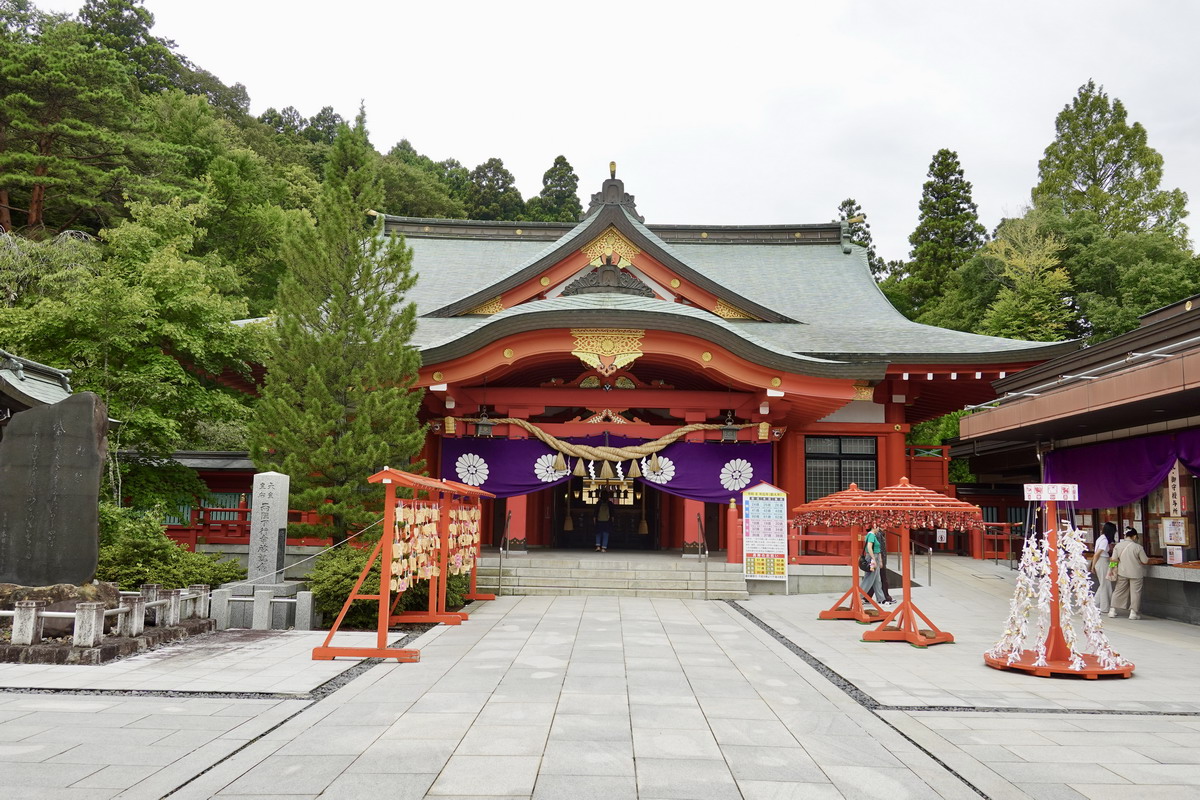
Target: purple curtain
710 472
1189 449
1112 474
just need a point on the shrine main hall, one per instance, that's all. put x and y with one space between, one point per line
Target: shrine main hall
659 370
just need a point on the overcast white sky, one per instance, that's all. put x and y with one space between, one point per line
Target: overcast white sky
720 113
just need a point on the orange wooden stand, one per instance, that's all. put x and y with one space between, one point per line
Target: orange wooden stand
1058 654
901 624
856 610
450 494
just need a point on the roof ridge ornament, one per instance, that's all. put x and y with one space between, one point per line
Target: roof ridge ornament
613 193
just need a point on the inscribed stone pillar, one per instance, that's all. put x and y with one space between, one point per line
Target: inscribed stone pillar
268 527
51 459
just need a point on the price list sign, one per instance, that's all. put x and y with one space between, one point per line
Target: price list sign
764 532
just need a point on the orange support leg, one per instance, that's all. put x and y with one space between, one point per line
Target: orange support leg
901 625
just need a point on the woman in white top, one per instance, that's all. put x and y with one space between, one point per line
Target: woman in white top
1100 559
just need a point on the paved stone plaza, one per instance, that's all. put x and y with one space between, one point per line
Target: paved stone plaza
603 697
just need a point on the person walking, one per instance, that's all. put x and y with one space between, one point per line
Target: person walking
870 579
603 525
1100 558
1131 572
883 570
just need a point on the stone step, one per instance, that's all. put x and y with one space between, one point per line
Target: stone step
615 577
560 591
675 564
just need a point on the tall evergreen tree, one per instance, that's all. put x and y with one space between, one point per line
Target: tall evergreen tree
559 199
492 193
860 234
1101 163
947 234
123 26
338 404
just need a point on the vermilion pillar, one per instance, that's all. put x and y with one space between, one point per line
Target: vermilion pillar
693 511
518 525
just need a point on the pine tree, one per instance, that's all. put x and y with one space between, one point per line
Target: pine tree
947 234
492 193
559 199
338 403
1101 163
860 234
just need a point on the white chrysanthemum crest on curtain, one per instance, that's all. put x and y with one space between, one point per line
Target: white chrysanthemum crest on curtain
664 473
471 469
736 474
543 467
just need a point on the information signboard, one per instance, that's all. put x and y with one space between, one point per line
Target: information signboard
764 533
1052 491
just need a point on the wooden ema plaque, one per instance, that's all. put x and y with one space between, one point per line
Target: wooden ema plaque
416 544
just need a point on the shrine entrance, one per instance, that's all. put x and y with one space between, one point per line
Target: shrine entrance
635 521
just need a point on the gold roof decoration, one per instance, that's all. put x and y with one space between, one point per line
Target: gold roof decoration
611 242
607 350
493 306
727 311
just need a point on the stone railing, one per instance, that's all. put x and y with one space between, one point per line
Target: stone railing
137 609
260 615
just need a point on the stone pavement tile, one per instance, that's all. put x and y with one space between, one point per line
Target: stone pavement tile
1064 772
359 785
277 774
996 737
735 708
765 732
1110 754
190 738
995 753
495 713
678 700
333 740
591 728
1156 792
494 776
404 756
545 692
567 757
659 683
429 726
367 713
867 783
34 751
1167 754
848 751
723 688
684 779
22 729
644 716
588 684
113 752
115 777
652 664
504 740
772 764
1148 774
822 723
1060 791
451 703
37 776
593 704
788 790
674 743
585 787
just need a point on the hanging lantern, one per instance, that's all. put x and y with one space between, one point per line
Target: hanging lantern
560 463
606 472
634 470
729 431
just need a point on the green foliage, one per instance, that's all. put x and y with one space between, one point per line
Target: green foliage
67 130
143 323
335 572
941 430
134 550
1101 163
1032 301
860 234
559 199
337 404
492 193
946 236
123 26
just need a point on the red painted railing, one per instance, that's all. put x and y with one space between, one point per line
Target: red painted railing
201 528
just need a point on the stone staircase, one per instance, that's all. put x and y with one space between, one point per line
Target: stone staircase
614 575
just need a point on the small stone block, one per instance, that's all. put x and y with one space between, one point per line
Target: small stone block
261 619
201 603
27 621
220 608
173 605
304 611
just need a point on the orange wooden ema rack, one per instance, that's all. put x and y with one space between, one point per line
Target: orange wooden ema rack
1058 653
831 511
448 496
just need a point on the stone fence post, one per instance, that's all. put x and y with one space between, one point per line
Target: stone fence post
133 622
154 616
220 608
261 613
27 621
89 624
200 604
173 602
304 611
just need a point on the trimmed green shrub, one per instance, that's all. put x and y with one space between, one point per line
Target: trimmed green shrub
135 550
335 572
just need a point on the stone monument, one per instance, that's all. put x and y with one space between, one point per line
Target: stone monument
264 566
51 459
